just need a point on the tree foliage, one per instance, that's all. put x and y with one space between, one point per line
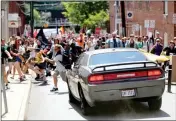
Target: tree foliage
98 19
88 14
37 16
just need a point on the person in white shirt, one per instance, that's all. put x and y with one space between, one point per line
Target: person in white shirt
60 69
146 44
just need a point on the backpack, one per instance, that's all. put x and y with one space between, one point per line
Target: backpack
3 54
66 62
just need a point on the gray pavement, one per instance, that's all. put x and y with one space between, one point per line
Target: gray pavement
44 105
17 97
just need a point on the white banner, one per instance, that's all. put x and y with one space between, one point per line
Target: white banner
152 23
146 23
149 23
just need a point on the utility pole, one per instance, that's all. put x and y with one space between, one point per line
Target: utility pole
32 18
123 18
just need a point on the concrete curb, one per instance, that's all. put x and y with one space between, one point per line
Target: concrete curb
24 106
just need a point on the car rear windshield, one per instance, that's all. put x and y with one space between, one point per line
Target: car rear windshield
116 57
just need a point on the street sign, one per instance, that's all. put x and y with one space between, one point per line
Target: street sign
119 21
146 23
149 23
14 21
129 14
152 23
13 17
174 19
13 24
135 27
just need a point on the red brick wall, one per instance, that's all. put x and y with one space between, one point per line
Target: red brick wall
14 8
152 10
111 16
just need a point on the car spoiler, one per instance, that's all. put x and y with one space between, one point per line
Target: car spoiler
142 64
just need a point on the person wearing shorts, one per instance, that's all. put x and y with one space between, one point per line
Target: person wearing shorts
40 65
11 62
60 69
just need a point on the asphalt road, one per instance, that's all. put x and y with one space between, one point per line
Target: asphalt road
44 105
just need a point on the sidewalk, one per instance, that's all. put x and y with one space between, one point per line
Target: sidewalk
17 97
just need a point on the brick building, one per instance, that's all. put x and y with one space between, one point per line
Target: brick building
14 7
147 10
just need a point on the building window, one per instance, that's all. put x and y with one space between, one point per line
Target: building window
147 5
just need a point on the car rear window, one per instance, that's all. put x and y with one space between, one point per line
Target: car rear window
116 57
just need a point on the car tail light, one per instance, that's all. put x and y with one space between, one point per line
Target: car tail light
154 73
96 78
99 78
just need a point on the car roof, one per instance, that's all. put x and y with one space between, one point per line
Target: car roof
100 51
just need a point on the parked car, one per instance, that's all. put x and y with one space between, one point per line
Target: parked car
107 75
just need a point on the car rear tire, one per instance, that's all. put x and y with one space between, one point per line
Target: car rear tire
84 106
71 97
155 104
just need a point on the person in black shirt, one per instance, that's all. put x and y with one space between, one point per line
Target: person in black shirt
74 53
170 49
11 62
4 55
97 45
67 57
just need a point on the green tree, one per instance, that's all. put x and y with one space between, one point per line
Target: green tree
98 19
88 14
37 16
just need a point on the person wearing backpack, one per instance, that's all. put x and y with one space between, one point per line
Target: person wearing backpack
60 69
66 55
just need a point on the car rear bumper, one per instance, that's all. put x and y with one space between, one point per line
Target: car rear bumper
112 92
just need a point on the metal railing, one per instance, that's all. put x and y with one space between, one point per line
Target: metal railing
54 22
3 91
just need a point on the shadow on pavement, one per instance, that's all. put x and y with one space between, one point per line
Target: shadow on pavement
121 110
58 93
36 82
62 93
24 82
43 84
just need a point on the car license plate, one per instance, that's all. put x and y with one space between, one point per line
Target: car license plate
128 93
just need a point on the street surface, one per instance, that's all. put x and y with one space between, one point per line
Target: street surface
44 105
16 98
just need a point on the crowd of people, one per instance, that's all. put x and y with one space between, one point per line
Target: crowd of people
24 53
